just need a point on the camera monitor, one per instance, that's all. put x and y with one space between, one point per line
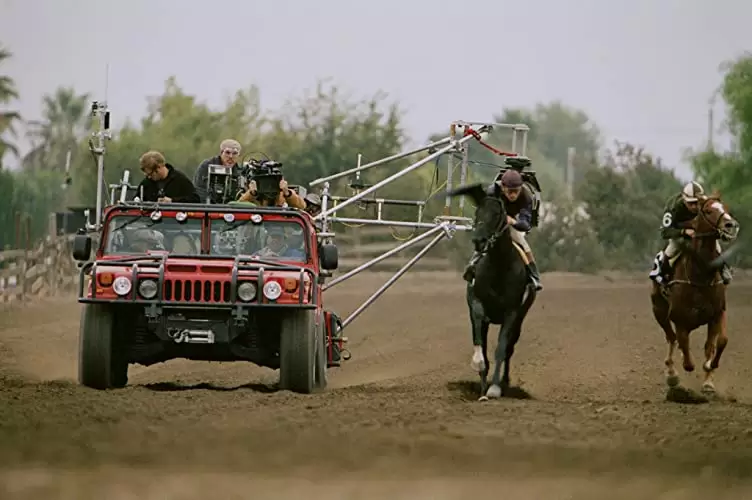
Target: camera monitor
220 184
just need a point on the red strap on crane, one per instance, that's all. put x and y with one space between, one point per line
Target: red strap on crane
474 133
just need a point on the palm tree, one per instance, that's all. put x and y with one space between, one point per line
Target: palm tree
63 126
8 93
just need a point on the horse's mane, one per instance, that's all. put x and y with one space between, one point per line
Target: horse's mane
714 196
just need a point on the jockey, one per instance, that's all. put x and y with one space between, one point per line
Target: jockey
680 211
518 204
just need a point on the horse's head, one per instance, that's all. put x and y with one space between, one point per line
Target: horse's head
490 214
713 219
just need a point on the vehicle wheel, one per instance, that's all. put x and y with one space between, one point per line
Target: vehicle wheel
297 352
321 358
101 361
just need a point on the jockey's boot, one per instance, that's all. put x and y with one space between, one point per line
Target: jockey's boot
469 273
532 270
726 274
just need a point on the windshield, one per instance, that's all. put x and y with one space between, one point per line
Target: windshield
129 234
278 239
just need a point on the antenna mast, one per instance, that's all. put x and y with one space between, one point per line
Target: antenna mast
97 147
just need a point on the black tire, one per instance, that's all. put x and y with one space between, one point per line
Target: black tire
101 362
297 352
321 358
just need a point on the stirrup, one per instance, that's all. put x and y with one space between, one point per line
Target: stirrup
537 284
726 275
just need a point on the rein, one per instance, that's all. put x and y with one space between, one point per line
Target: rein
501 228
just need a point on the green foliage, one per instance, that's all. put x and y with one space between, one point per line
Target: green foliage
316 135
625 200
728 172
555 128
566 240
62 127
8 118
737 93
612 221
32 195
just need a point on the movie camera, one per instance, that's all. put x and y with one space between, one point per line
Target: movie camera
267 175
227 183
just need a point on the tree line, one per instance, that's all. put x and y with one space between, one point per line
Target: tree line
612 219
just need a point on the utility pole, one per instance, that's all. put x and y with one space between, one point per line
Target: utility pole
569 174
711 119
711 126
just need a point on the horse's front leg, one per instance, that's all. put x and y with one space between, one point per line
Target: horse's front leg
500 354
682 337
714 346
661 310
480 334
506 379
484 371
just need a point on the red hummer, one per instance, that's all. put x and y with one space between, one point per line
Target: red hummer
206 282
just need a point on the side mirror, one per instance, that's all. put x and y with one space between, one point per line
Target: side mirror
81 247
329 256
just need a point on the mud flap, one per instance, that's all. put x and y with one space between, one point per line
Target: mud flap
336 351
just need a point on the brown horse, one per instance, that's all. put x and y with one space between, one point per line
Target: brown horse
696 295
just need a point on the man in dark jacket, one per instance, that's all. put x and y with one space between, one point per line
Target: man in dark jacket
229 152
163 183
519 207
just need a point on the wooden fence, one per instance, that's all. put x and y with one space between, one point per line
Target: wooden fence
44 270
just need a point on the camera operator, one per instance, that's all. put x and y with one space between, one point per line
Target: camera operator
285 195
313 204
163 183
229 151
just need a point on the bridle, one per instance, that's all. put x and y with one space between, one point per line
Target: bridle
500 227
717 231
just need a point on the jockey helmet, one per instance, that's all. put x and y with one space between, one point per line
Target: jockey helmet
691 191
511 179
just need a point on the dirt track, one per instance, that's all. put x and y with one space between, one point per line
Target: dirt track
400 419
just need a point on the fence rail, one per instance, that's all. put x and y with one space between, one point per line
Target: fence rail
41 271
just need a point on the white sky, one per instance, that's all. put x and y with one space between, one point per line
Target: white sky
644 70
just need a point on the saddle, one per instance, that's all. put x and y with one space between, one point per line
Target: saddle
521 252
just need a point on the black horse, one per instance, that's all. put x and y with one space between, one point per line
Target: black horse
500 294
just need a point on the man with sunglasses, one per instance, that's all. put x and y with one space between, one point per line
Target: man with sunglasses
518 204
229 152
162 183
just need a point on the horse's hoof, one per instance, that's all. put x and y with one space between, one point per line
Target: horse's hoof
494 391
477 365
672 380
482 399
708 388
